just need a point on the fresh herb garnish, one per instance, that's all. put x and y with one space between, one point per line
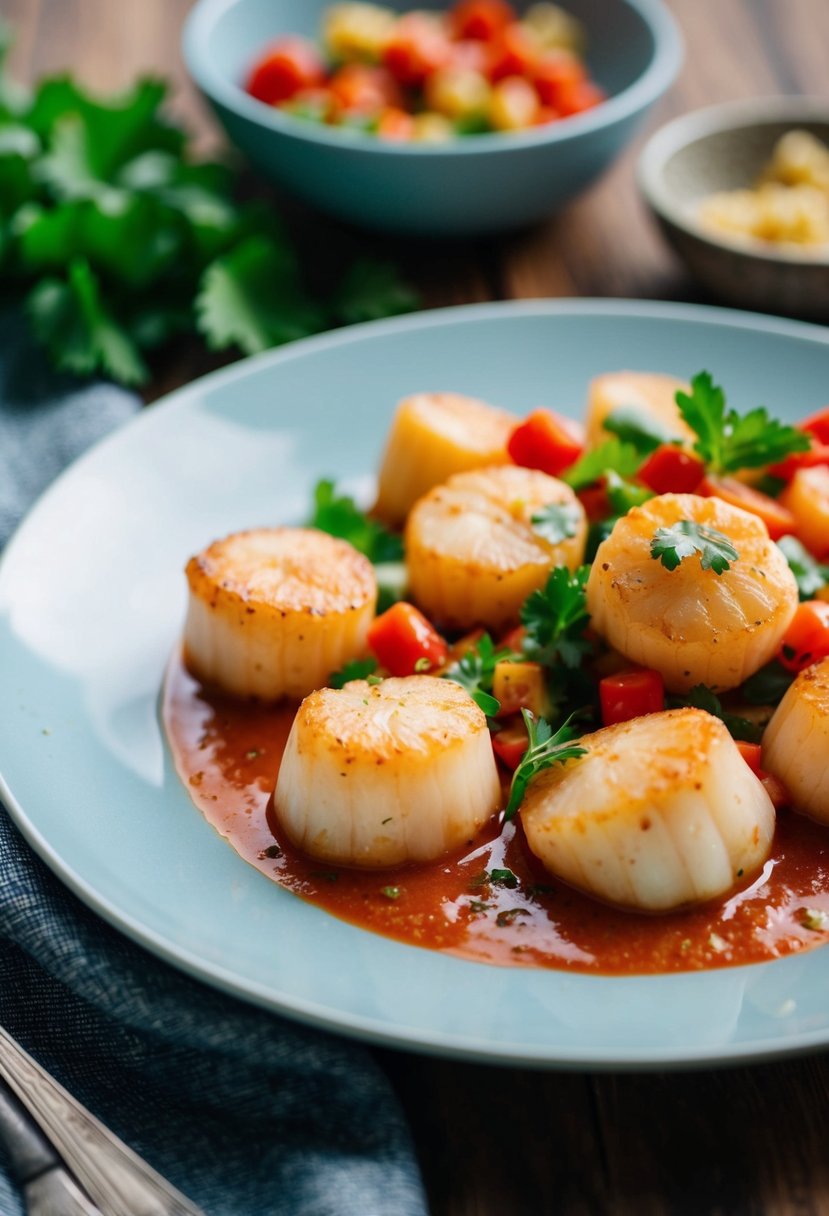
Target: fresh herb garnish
623 495
390 892
340 516
685 538
555 618
556 522
545 749
504 878
622 458
702 697
728 441
355 669
118 241
475 670
638 428
768 685
809 574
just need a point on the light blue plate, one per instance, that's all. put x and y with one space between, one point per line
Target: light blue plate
92 597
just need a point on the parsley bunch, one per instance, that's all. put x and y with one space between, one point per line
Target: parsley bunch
117 240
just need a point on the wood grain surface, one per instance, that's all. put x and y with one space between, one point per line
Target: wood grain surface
748 1141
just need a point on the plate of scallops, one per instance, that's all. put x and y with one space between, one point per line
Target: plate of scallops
458 682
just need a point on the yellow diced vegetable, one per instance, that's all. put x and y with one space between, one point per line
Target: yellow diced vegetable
358 31
520 685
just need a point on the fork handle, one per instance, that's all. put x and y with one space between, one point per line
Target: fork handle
29 1151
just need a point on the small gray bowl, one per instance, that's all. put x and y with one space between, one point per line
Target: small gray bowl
725 147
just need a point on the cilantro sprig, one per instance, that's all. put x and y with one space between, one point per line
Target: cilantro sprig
728 441
555 618
338 515
556 522
545 749
475 670
685 538
116 240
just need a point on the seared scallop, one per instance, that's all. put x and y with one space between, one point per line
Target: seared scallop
273 611
693 626
661 812
796 742
649 393
432 436
381 774
474 553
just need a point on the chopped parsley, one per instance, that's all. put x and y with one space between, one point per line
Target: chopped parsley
556 522
685 538
545 749
728 441
768 685
555 618
339 515
475 670
622 458
623 495
702 697
636 427
355 669
809 574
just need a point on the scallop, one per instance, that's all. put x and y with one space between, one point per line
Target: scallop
380 774
796 742
473 552
661 812
693 626
432 436
649 393
273 611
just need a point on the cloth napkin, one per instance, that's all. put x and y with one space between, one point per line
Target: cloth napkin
248 1114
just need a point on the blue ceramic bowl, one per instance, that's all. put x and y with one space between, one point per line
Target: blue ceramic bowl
473 185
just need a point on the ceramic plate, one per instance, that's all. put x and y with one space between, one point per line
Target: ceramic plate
91 603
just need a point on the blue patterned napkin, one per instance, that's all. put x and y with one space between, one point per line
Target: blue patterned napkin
247 1114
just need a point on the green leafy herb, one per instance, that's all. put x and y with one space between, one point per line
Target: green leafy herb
634 426
119 241
339 515
622 458
478 905
475 670
597 533
556 522
392 581
768 685
555 619
685 538
702 697
545 749
391 892
356 669
728 441
623 495
504 878
809 574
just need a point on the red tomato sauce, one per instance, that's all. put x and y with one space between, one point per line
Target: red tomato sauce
227 753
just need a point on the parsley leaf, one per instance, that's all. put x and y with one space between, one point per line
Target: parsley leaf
684 539
634 426
702 697
728 441
545 749
622 494
475 670
555 618
356 669
371 290
339 515
622 458
556 522
768 685
809 574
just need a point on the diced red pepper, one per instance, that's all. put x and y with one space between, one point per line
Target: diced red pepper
630 694
580 97
555 75
818 453
514 53
417 48
752 753
670 470
546 441
777 518
807 638
395 125
481 19
510 744
286 67
595 501
362 86
405 642
817 425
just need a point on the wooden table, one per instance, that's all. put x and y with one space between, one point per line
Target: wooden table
505 1142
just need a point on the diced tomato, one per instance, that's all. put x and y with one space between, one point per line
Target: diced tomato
630 694
595 502
818 425
286 67
546 441
752 753
480 19
395 125
775 789
807 638
510 744
405 642
807 498
580 97
471 55
417 47
545 115
817 454
670 470
555 75
361 86
514 639
775 515
514 53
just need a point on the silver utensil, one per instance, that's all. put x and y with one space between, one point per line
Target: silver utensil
48 1189
116 1179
